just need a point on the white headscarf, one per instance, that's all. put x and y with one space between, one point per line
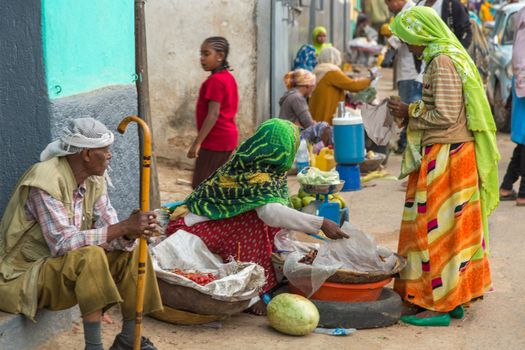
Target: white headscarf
79 134
329 60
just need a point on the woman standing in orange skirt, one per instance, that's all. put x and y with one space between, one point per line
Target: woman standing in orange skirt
451 159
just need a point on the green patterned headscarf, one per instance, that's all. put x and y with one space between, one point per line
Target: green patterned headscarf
256 174
422 26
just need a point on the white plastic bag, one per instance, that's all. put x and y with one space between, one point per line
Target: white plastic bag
286 242
358 253
307 278
314 176
236 281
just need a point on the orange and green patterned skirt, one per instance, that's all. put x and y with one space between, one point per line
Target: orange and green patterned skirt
442 232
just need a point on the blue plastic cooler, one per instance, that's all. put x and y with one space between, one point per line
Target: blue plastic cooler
349 140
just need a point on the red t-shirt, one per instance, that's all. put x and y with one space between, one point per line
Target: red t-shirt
222 88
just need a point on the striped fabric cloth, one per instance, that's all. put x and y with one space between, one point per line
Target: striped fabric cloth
442 232
62 233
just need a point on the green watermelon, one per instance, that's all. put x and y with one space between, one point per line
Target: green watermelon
293 314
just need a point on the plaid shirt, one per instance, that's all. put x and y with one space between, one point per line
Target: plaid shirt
63 234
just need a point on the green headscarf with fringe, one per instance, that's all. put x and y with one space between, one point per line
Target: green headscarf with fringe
422 26
256 174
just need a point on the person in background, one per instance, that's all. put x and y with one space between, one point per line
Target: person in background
331 85
455 16
378 14
408 68
516 168
294 107
479 49
215 113
364 30
320 39
239 210
306 58
61 243
452 163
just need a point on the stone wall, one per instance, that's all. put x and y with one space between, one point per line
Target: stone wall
109 105
175 31
24 114
62 60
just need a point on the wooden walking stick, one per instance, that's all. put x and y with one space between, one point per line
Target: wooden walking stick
144 206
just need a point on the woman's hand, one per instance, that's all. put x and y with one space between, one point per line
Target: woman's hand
326 136
332 230
194 150
398 109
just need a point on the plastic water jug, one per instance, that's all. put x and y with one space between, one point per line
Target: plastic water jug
325 160
301 159
349 139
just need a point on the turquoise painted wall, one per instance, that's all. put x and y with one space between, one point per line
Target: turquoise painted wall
88 44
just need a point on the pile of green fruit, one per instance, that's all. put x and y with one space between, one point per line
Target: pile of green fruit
302 199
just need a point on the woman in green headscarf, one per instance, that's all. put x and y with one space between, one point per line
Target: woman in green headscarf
451 159
319 39
239 209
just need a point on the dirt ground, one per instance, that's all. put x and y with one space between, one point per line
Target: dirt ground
497 322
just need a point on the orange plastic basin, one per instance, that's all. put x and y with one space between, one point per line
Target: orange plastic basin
330 291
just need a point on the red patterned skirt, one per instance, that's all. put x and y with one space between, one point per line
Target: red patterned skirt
244 234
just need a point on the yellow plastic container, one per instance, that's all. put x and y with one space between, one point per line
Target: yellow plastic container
325 160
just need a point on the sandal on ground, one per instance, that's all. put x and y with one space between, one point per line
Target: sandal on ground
508 197
442 320
520 202
121 343
457 313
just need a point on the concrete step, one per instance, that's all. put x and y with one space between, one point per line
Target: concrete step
19 333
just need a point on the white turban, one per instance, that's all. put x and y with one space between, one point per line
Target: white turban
79 134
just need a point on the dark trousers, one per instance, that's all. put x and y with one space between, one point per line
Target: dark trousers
515 170
207 163
409 91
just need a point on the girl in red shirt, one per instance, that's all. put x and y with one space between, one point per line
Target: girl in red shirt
215 113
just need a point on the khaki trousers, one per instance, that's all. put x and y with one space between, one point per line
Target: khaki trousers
96 280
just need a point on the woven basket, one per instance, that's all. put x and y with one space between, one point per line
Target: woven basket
346 276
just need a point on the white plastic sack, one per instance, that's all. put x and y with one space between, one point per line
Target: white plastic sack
285 241
358 253
236 281
378 122
307 278
303 276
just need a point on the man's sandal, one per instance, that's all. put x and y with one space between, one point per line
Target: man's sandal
121 343
508 197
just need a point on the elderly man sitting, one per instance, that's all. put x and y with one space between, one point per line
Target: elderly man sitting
61 243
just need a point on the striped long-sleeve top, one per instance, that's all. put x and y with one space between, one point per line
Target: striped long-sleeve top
441 114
